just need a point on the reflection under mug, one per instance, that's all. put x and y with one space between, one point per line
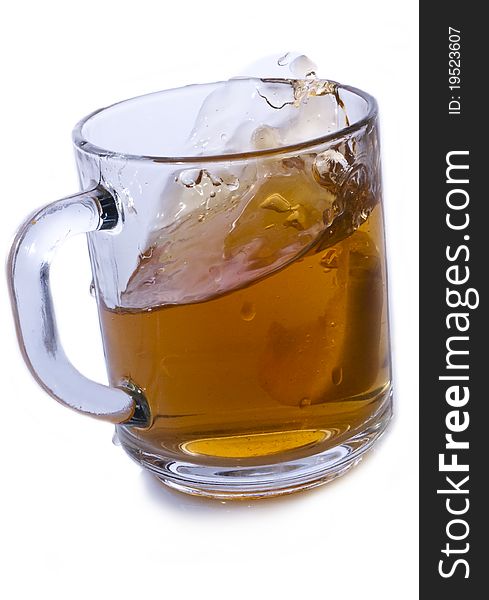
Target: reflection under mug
235 232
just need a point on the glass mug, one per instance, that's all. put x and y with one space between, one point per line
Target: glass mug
235 232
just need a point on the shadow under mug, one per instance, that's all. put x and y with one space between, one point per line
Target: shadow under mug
235 232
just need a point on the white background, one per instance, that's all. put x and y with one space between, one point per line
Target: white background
78 519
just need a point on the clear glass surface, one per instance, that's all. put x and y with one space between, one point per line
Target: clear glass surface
242 285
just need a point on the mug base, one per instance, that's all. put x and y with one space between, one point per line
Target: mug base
264 481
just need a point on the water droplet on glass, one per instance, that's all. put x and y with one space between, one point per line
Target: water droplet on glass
305 402
115 439
248 311
190 177
213 178
92 289
283 60
337 375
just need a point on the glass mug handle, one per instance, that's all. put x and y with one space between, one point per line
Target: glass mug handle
28 271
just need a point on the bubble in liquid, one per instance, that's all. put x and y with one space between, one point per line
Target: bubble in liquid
337 375
305 402
248 311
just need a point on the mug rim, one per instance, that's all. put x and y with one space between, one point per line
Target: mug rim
80 141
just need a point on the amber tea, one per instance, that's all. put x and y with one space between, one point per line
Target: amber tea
235 232
295 358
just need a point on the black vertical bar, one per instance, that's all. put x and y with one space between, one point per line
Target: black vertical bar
454 244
